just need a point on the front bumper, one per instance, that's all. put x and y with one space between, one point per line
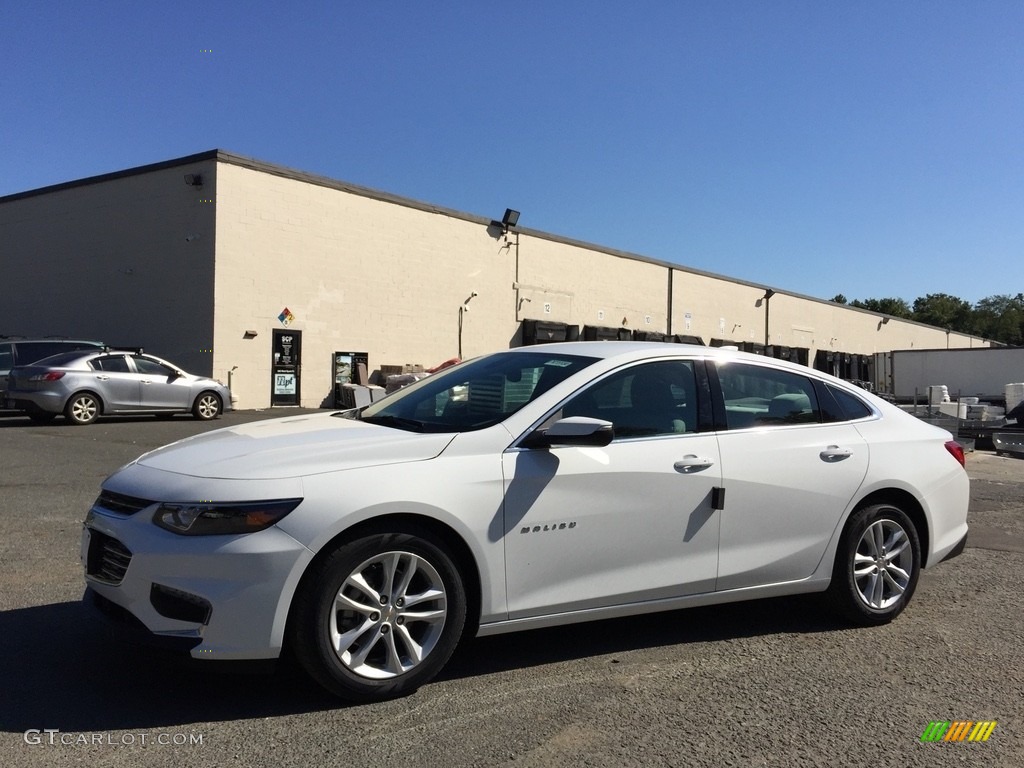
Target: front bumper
217 597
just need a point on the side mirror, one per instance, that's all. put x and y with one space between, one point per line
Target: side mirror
575 430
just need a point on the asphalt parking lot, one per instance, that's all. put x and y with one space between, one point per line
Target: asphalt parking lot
772 683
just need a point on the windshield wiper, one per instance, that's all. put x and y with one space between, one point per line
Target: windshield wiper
398 422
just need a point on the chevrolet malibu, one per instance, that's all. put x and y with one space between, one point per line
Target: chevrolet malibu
529 488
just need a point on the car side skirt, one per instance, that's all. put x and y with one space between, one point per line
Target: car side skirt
813 584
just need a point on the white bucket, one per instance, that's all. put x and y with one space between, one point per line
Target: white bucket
938 393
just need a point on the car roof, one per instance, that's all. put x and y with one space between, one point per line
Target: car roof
631 351
51 339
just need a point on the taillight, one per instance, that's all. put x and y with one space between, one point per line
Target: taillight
48 376
957 452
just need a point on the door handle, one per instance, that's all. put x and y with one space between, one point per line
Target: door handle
103 378
834 453
146 381
692 463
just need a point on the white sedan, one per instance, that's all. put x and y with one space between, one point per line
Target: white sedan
533 487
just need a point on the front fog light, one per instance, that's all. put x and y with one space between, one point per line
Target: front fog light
212 518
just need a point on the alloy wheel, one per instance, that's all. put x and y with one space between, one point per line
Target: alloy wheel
883 564
388 615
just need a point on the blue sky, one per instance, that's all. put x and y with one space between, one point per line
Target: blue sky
873 149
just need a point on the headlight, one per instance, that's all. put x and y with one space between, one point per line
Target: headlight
215 517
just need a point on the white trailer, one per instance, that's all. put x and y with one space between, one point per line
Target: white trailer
981 372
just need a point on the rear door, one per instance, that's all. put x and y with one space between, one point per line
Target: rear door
789 475
115 382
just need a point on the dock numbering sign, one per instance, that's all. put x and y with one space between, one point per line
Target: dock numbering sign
958 730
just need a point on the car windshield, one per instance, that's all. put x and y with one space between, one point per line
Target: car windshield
475 394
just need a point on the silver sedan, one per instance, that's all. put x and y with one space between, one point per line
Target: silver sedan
85 384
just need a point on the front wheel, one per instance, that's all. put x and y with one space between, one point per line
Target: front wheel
379 617
207 406
877 565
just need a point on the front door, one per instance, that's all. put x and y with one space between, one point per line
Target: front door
633 521
286 368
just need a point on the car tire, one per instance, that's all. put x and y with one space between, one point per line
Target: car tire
41 417
207 406
83 408
877 565
352 628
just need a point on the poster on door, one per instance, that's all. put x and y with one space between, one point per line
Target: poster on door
284 384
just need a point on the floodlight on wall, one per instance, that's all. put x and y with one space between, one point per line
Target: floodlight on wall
249 335
885 320
508 221
194 179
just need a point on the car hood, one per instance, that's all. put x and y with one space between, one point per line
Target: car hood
293 447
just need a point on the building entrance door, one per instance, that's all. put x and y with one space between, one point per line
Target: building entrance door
286 368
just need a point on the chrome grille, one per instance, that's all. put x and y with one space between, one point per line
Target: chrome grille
108 558
120 504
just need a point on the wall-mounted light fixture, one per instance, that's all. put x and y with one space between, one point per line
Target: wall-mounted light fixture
194 179
508 221
250 335
885 320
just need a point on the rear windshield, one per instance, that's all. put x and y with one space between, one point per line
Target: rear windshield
57 361
28 352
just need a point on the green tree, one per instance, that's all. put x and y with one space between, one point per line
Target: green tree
839 299
944 311
1001 318
894 307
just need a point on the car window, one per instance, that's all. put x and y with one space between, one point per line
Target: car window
475 394
111 363
645 400
852 406
150 366
758 396
6 357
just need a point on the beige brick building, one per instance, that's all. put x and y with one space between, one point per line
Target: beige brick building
197 260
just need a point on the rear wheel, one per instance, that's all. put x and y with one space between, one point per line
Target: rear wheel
207 406
379 616
877 565
81 409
